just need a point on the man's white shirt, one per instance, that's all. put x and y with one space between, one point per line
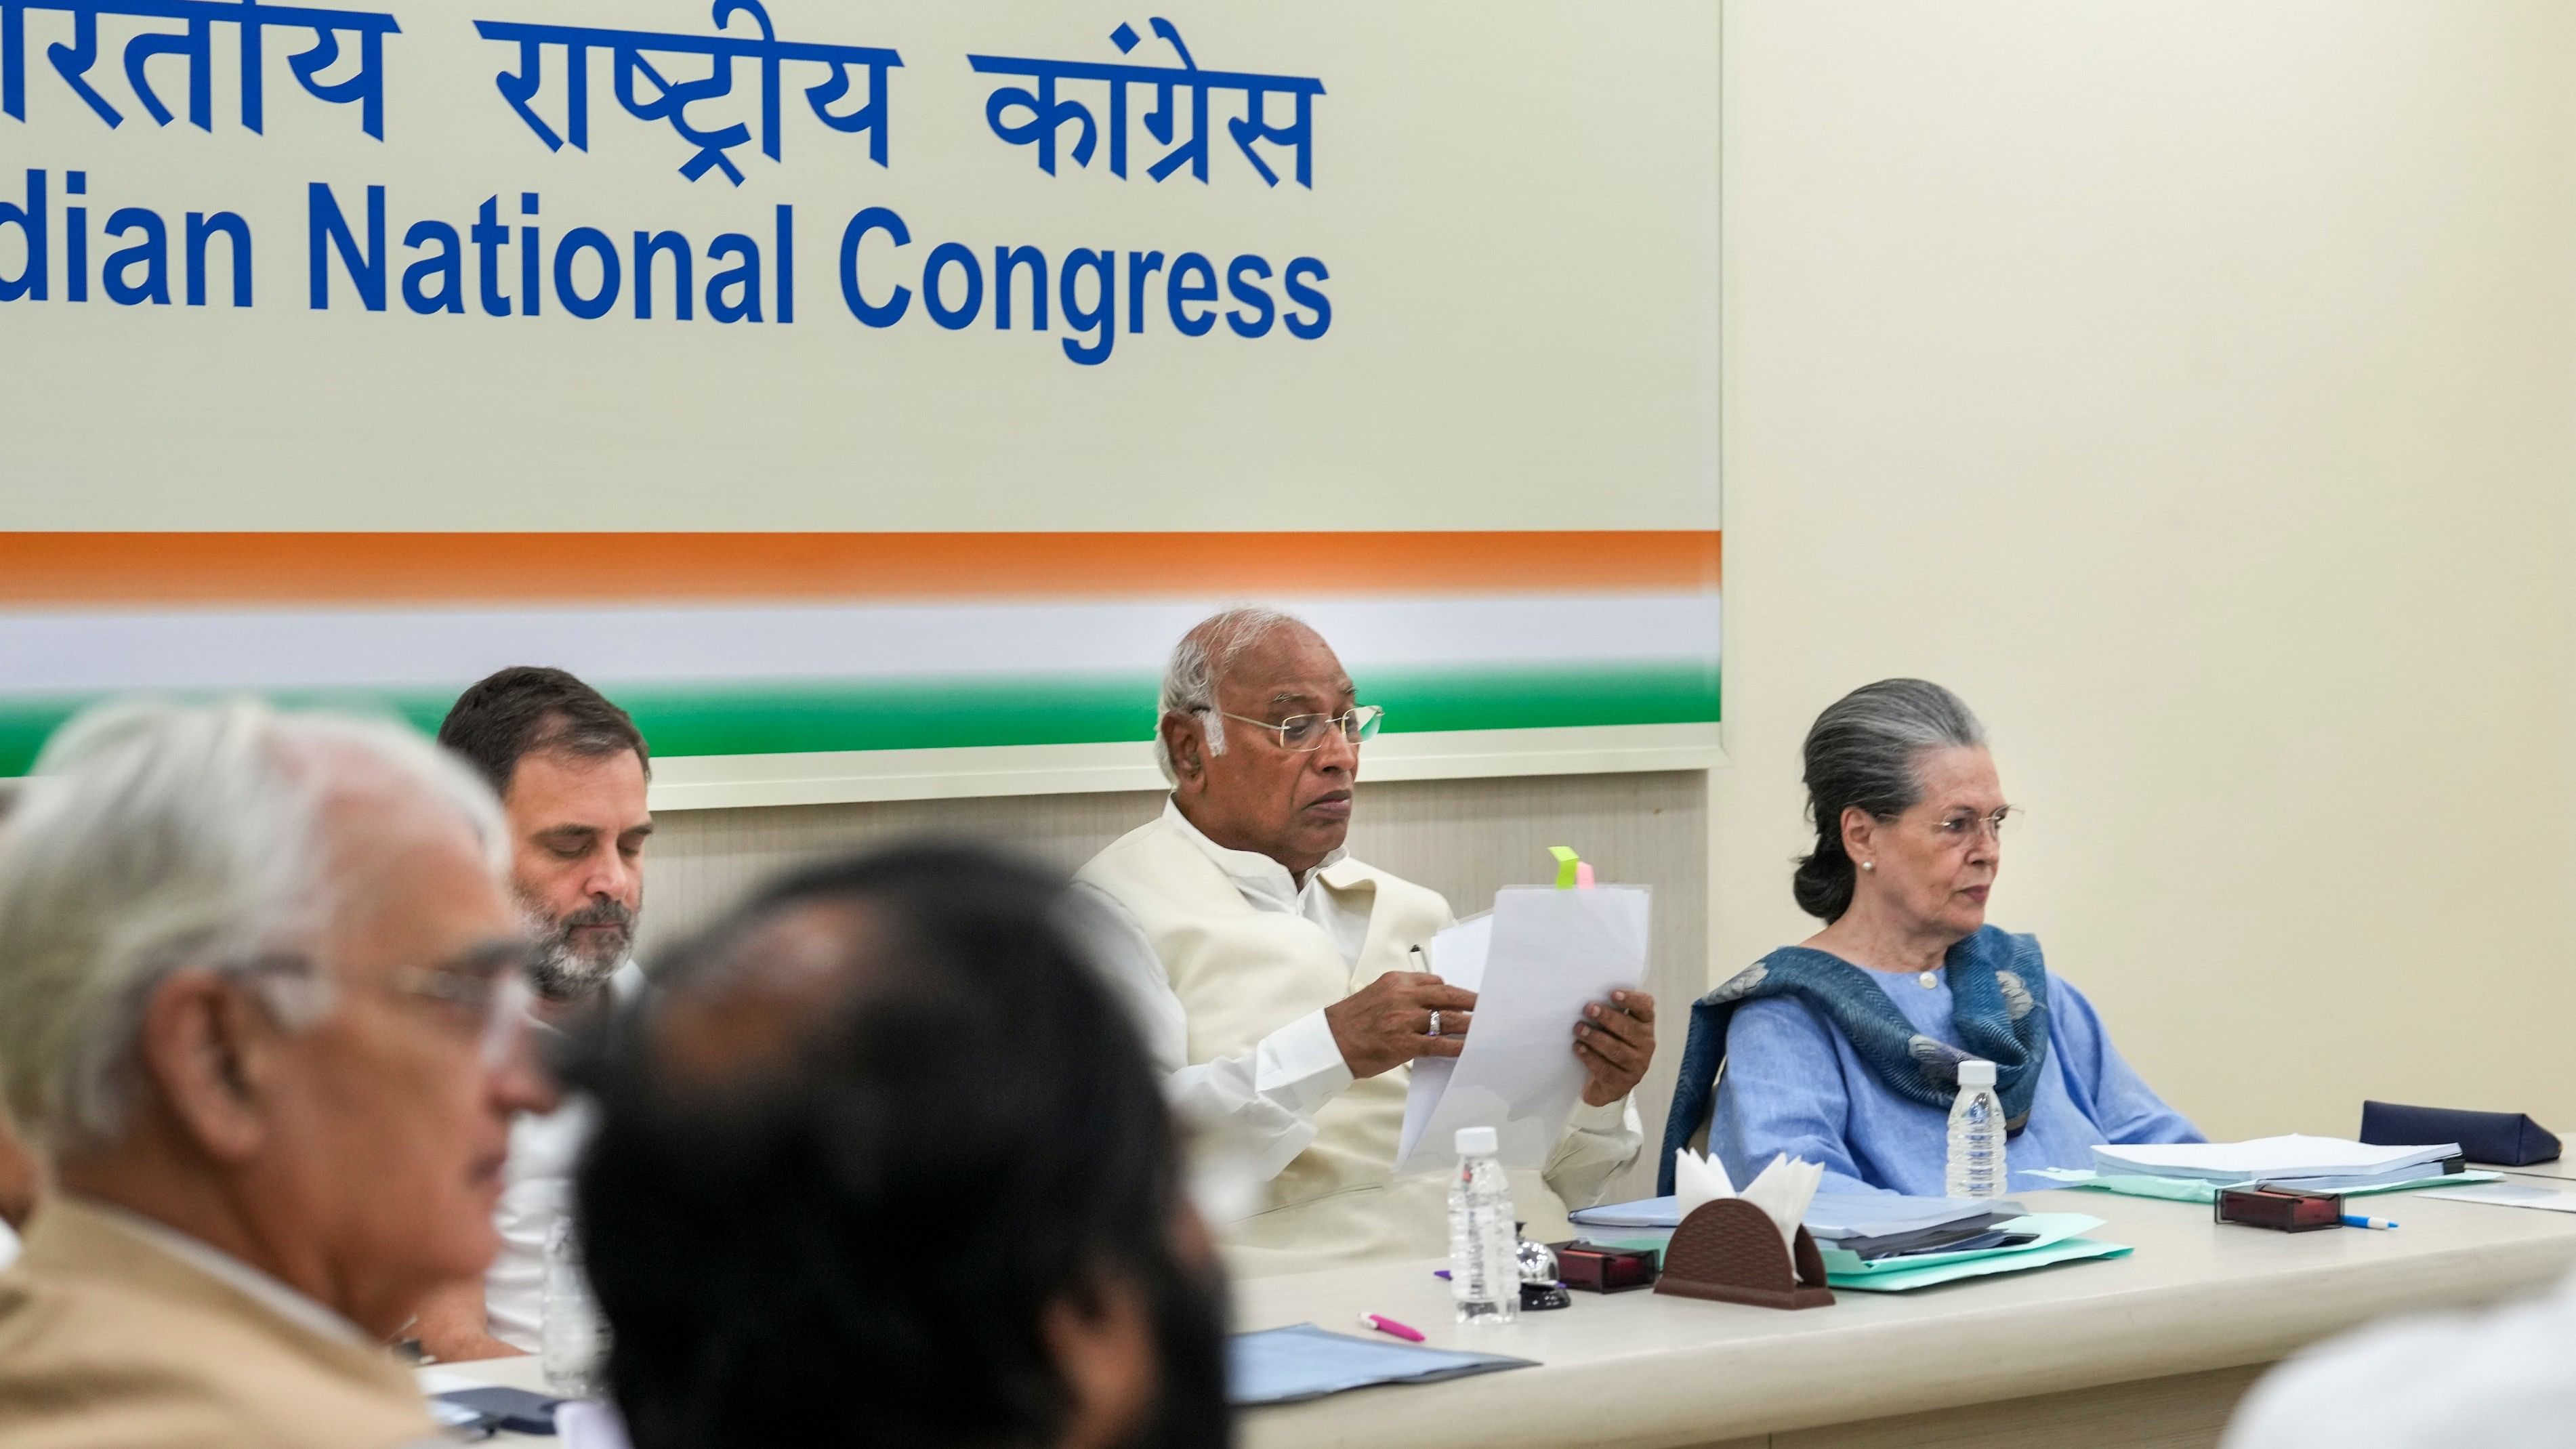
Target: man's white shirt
1267 1097
536 1194
2501 1379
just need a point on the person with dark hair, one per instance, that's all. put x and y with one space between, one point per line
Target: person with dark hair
1845 1049
571 770
881 1162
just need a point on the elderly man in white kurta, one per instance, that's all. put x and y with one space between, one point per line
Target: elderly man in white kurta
1273 978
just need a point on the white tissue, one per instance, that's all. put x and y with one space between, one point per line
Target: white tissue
1698 1180
1783 1191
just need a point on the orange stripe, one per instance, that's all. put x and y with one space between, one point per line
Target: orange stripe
106 569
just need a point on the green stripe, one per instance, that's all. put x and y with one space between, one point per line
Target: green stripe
775 719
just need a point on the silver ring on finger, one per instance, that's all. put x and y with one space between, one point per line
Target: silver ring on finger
1435 1024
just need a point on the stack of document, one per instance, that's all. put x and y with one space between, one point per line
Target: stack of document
1838 1217
2316 1164
1830 1217
2019 1245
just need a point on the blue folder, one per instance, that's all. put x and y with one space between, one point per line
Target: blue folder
1284 1365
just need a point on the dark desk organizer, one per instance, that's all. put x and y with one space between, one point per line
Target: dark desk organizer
1729 1250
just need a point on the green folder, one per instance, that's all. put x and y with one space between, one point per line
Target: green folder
2058 1238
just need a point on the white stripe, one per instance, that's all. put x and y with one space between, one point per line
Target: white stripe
86 653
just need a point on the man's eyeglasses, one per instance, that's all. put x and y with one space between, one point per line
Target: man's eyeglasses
486 988
483 991
1303 732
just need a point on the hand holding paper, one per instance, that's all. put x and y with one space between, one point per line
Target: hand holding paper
1536 962
1615 1041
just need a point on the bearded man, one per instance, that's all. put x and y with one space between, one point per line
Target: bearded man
571 770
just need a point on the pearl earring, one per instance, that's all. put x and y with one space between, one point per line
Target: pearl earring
1869 865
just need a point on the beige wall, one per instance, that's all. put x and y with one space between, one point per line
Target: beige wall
2188 385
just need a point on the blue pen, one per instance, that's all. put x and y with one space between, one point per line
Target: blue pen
2353 1220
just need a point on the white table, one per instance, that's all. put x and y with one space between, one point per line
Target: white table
2153 1348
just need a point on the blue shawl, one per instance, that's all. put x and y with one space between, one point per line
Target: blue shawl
1998 1001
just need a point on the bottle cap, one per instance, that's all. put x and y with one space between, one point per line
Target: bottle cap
1478 1142
1974 1073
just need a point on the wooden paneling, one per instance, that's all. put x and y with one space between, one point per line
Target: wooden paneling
1463 838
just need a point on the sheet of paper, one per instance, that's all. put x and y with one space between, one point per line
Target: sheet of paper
1284 1365
1830 1215
2201 1189
1552 953
2521 1193
1457 957
2291 1156
1645 1212
1871 1215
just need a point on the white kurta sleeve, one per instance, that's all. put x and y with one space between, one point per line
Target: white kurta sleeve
1263 1101
2502 1379
1598 1144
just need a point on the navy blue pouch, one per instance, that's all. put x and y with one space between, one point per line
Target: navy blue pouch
2508 1139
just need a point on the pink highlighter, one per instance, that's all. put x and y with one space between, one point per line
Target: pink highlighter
1384 1324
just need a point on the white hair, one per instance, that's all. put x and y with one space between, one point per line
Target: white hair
1199 661
153 837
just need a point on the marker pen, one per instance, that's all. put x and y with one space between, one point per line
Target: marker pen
1384 1324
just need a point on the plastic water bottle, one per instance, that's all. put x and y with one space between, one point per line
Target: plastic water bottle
571 1336
1484 1244
1976 1134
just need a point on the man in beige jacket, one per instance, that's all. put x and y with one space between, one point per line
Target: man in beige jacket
264 995
1272 974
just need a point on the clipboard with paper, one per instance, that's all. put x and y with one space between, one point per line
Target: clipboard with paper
1534 961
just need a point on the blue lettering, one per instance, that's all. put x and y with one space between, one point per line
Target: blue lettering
1307 328
891 310
489 237
1102 314
446 267
741 279
152 254
33 222
1007 260
1140 266
1249 295
236 232
1179 292
329 230
611 275
683 284
931 300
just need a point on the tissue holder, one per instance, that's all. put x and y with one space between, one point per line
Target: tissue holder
1729 1251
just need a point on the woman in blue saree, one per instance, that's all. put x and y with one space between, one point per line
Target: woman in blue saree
1844 1049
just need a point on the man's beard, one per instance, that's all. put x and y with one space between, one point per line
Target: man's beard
566 967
